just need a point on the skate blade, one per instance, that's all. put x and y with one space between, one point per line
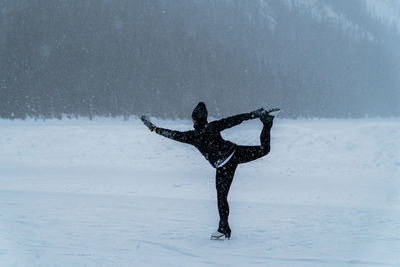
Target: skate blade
273 112
219 238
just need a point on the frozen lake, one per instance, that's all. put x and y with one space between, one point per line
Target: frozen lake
111 193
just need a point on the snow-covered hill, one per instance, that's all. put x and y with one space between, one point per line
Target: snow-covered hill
110 193
327 11
387 11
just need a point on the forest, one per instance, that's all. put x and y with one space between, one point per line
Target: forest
160 57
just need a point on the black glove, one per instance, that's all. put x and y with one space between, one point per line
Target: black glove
148 123
261 112
257 113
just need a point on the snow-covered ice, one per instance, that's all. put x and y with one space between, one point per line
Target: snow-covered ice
108 192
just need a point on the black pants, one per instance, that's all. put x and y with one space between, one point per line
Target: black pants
225 173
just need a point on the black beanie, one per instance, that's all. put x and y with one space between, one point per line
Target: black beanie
200 112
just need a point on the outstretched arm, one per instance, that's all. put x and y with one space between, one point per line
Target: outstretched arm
184 137
229 122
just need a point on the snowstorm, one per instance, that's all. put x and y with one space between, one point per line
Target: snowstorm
199 133
325 59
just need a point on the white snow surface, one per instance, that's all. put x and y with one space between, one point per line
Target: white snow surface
109 192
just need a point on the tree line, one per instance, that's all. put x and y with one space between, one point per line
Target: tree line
112 58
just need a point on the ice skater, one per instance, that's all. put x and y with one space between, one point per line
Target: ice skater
223 155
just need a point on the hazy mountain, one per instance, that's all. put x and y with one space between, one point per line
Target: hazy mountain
335 58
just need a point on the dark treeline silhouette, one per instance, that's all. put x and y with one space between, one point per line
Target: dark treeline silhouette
124 57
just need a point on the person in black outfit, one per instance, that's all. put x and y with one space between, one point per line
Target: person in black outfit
223 155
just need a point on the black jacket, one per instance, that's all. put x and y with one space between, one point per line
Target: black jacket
207 138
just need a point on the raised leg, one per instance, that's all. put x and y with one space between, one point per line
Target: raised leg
245 154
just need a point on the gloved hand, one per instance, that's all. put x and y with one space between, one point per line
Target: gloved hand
261 112
148 123
257 113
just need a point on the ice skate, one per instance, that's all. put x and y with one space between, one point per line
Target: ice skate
220 236
267 116
273 111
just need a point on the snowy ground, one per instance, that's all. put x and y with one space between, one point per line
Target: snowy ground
110 193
